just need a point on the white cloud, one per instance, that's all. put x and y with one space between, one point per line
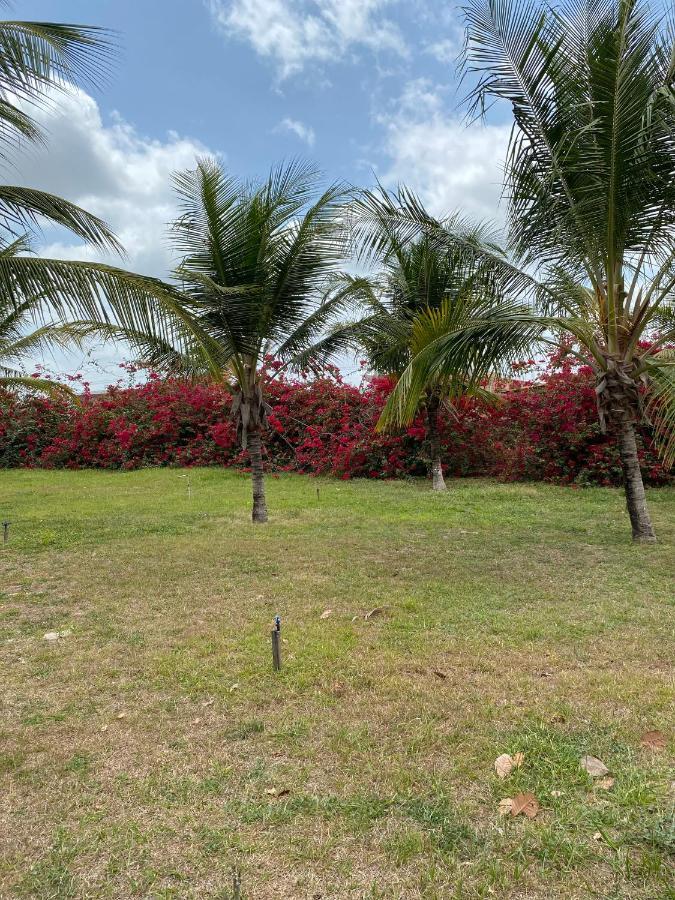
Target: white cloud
304 132
449 164
445 51
113 171
110 170
295 32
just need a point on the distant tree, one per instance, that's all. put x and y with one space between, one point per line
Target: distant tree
421 289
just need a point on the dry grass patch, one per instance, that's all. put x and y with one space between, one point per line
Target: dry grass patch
152 749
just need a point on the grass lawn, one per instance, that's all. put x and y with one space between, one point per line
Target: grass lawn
151 748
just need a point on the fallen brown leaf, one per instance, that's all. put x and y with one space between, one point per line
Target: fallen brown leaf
527 804
504 765
594 766
326 613
653 740
375 612
277 792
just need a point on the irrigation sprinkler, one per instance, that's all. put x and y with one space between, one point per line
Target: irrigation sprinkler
276 644
189 485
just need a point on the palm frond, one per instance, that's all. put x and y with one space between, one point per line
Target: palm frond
36 385
23 208
36 56
661 406
482 340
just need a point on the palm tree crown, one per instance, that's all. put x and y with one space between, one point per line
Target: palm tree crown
422 290
590 190
255 263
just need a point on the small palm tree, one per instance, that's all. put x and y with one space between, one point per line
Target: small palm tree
421 287
255 262
590 185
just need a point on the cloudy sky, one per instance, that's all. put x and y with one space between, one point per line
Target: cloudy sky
365 88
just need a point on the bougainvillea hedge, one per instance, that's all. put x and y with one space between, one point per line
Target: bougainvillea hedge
543 429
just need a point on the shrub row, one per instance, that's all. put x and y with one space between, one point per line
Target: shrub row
543 429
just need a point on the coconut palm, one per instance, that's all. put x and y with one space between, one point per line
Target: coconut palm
255 260
590 190
421 287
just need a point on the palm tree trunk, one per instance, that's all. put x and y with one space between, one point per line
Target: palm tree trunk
433 406
257 475
641 523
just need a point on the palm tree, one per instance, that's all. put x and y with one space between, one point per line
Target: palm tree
255 262
37 61
421 287
590 189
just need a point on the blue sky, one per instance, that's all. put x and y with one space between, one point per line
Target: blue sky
359 86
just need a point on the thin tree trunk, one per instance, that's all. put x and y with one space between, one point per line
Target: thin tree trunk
257 475
437 480
640 521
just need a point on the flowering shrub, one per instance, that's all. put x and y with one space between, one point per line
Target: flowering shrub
543 429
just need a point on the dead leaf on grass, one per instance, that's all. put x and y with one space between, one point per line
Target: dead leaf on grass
505 764
505 806
526 803
326 613
277 792
653 740
594 766
378 611
55 635
606 783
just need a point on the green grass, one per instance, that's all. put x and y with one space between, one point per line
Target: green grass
152 749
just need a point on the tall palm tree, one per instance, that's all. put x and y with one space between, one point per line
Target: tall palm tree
421 286
37 61
590 188
255 263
